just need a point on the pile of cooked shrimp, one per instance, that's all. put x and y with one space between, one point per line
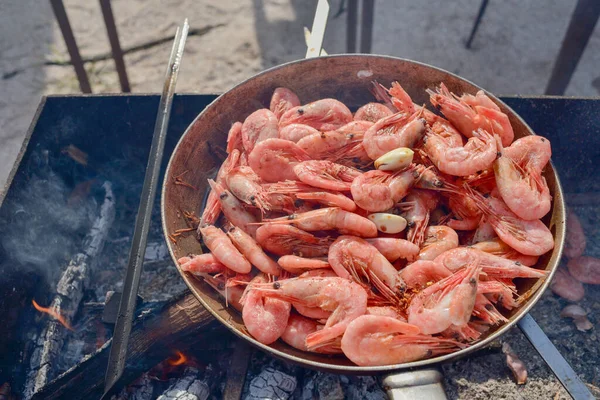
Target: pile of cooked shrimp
389 235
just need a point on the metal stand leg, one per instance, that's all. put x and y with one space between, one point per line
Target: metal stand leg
580 29
351 23
113 37
65 27
366 34
482 8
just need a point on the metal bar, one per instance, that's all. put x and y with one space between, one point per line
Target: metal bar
115 46
482 7
236 375
583 20
307 41
351 25
318 30
118 350
559 366
366 26
65 27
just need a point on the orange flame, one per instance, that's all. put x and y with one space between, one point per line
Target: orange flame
53 314
181 359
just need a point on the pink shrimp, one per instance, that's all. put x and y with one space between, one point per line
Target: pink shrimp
372 112
259 126
299 328
234 210
446 303
234 138
575 239
231 294
330 218
527 197
480 99
245 185
392 132
343 146
252 251
422 272
221 247
438 239
393 248
347 301
531 238
283 99
213 207
326 174
501 292
285 239
355 129
297 265
385 311
478 154
372 340
567 287
469 119
532 153
418 205
585 269
498 248
264 317
380 190
484 232
313 312
354 258
329 199
201 263
274 159
324 115
296 132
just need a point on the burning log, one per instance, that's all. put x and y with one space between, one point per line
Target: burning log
69 292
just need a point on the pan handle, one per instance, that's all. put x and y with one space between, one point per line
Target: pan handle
422 384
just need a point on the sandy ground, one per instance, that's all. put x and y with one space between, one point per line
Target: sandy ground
513 53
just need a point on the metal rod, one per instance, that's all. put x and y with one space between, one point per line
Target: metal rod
351 25
482 7
559 366
366 26
236 375
583 20
118 350
115 46
318 30
65 27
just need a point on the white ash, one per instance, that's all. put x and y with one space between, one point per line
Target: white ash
141 389
156 251
187 387
271 384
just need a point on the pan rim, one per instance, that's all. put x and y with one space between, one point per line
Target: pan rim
558 199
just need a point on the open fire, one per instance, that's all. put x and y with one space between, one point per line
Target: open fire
54 314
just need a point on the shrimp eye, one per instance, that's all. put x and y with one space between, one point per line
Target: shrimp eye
221 286
517 263
415 174
322 135
499 154
223 195
472 281
351 136
298 203
291 216
411 224
232 229
252 198
488 307
543 140
276 285
438 184
300 111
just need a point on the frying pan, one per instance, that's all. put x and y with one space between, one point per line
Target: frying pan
346 78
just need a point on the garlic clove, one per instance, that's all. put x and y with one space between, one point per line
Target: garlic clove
395 160
388 223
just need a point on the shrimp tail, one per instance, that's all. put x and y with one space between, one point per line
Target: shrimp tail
321 338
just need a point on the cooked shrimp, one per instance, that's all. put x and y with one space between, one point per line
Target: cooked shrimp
566 286
575 239
297 265
296 132
585 269
213 207
354 258
326 174
329 199
527 197
373 340
252 251
501 293
283 99
478 154
274 159
234 210
264 317
231 294
355 129
330 218
347 300
385 311
328 145
438 239
393 248
372 112
446 303
498 248
221 247
201 263
324 115
234 138
245 185
380 190
422 272
259 126
480 99
469 119
284 239
299 328
392 132
484 232
417 206
531 153
313 312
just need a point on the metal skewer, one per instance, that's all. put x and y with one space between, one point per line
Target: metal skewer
317 33
127 306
